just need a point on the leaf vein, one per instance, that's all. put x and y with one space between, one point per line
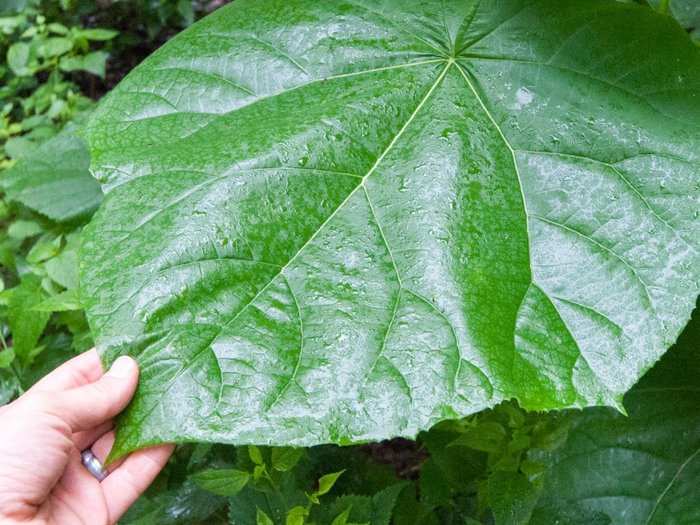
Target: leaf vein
625 180
208 74
600 245
311 239
573 71
297 364
680 470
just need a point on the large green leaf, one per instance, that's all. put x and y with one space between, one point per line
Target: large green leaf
344 221
641 469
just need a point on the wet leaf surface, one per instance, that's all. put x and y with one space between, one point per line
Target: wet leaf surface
346 221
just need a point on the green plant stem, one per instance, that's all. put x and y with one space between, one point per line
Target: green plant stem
664 6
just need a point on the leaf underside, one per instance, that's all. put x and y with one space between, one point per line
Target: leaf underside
346 221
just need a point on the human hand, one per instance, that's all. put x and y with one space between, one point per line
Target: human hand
42 479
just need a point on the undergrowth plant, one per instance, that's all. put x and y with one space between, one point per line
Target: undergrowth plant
38 95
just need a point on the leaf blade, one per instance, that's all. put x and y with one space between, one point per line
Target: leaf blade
437 183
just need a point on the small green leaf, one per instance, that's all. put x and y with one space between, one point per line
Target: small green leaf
63 302
9 386
487 436
47 246
23 229
285 458
18 147
532 468
519 442
55 46
30 32
342 518
325 483
377 510
384 503
98 34
26 324
58 107
223 482
7 356
54 179
255 455
297 516
259 472
434 484
18 58
9 23
512 498
94 63
57 29
186 10
63 269
262 519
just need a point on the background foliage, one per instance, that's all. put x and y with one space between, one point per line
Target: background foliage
501 466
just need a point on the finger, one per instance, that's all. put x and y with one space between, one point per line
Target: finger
123 486
101 449
77 494
91 405
86 438
102 446
79 371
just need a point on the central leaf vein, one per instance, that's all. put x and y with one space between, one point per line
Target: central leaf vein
281 272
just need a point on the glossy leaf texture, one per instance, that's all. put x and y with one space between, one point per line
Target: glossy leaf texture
641 469
346 221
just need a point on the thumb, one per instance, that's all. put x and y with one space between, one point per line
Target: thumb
88 406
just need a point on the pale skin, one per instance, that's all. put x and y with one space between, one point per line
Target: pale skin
42 479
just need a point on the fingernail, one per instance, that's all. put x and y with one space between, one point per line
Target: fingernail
122 367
